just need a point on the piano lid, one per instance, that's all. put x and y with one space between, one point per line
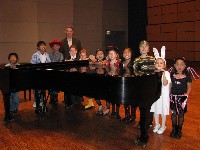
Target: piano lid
87 68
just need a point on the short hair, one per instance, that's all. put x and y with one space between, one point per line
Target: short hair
73 46
70 27
98 51
143 42
83 51
40 43
12 54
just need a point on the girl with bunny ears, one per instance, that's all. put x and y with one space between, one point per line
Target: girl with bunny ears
161 106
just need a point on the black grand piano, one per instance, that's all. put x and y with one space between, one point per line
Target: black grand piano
116 85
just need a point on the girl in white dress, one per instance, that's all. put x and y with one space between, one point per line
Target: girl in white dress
161 106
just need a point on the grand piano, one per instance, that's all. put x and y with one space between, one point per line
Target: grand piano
116 85
138 87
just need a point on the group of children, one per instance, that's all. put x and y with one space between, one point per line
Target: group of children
175 89
176 85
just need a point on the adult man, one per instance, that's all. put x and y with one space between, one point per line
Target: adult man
68 41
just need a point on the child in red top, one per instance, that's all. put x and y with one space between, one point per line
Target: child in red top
113 57
113 62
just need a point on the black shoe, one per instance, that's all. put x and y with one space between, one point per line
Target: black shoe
138 125
38 111
125 119
117 116
9 118
68 106
113 114
131 119
172 134
53 102
179 134
15 111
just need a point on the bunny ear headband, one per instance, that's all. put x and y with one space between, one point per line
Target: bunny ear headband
157 55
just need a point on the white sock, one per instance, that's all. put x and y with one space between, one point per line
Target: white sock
156 117
163 120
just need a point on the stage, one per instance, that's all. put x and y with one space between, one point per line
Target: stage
83 129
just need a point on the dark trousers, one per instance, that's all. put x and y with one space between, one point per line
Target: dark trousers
72 99
144 123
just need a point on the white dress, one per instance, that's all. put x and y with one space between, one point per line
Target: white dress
161 106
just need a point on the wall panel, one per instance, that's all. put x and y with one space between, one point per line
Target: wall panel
185 36
153 28
155 11
168 36
185 46
169 27
186 16
154 19
187 6
169 9
153 3
179 27
169 18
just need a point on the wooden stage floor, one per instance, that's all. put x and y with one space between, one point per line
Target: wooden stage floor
78 129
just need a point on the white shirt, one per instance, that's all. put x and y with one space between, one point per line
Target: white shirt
43 58
73 57
69 41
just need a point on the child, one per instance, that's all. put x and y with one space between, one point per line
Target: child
71 100
146 117
83 55
99 59
127 64
161 106
73 53
14 97
55 56
113 57
41 56
142 61
181 87
113 62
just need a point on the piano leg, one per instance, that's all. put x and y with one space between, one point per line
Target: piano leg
6 99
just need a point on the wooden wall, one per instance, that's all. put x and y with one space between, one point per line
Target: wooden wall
175 24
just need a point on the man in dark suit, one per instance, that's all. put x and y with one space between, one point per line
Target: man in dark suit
68 41
73 43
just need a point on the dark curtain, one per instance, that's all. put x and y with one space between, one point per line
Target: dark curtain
137 21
